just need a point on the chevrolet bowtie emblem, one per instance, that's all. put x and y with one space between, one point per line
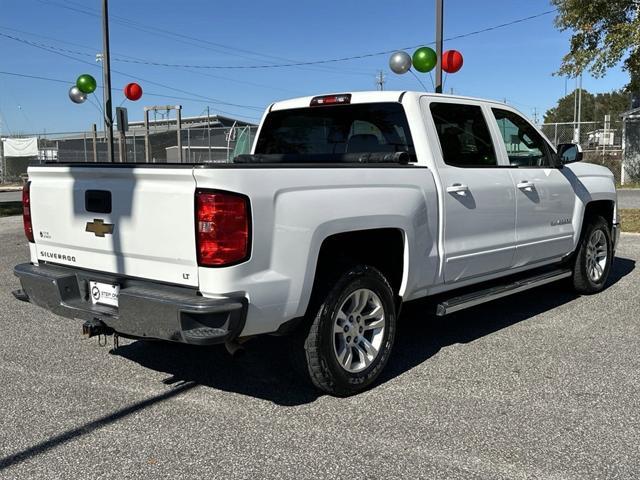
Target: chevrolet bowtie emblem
99 227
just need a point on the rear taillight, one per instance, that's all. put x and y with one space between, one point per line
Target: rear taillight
26 211
222 228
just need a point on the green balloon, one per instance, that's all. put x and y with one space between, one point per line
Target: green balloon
424 59
86 83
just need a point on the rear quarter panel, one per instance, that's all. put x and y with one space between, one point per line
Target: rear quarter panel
295 209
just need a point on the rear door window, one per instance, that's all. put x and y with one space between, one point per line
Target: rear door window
464 136
337 129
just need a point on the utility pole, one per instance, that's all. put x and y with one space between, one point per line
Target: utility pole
2 164
535 115
209 131
439 17
106 73
380 80
94 136
605 134
579 109
575 110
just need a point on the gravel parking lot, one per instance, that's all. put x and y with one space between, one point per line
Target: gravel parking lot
544 384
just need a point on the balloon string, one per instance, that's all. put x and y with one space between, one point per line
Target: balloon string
420 81
433 85
444 81
96 104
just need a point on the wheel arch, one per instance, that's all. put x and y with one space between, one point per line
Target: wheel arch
382 248
603 208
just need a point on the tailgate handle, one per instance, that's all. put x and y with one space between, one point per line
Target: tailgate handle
97 201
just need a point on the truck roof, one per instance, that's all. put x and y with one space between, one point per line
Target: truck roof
373 96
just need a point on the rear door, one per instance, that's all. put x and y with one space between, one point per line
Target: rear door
545 199
133 221
479 205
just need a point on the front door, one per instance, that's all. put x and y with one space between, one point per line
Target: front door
479 205
545 199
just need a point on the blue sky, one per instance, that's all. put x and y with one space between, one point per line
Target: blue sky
513 63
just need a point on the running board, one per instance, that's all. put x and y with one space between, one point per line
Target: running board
481 296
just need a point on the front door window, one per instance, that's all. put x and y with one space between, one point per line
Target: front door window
525 146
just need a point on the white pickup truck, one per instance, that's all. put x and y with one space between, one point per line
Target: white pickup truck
349 205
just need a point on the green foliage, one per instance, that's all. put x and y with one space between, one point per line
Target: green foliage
594 107
604 32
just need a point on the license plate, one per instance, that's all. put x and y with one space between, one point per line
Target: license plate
104 293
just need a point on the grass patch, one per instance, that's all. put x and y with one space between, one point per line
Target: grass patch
630 219
628 185
10 208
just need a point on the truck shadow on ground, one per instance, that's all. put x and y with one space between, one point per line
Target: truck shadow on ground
265 370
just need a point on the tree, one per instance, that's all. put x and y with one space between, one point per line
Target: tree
604 32
594 107
564 110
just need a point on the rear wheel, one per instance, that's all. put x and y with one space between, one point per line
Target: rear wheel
593 258
352 332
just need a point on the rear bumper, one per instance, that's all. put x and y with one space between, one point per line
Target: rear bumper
146 309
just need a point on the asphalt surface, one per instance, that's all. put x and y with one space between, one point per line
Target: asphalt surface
544 385
10 196
629 198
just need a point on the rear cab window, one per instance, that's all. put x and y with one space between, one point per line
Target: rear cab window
337 129
463 133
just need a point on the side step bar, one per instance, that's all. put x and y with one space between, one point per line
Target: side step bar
481 296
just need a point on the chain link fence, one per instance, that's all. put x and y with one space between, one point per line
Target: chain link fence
604 135
197 145
601 142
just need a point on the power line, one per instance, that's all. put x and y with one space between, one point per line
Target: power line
151 94
313 62
63 52
343 59
118 57
182 38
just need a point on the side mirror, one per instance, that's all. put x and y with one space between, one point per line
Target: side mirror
569 153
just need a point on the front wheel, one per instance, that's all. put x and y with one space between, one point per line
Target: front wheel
352 333
593 258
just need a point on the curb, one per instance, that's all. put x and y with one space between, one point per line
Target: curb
630 234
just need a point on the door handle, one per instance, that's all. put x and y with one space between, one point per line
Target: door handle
458 188
526 185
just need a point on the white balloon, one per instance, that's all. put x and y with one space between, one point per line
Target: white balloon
76 95
400 62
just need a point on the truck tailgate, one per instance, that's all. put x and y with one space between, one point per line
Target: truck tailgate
135 221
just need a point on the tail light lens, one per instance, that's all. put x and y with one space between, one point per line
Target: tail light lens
222 228
26 212
344 98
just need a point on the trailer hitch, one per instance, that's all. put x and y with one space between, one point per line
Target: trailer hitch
95 327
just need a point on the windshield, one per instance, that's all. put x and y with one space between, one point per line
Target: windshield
336 129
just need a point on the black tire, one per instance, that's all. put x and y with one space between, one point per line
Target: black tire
322 365
583 281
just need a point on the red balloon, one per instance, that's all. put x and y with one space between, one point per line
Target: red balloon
133 91
452 61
